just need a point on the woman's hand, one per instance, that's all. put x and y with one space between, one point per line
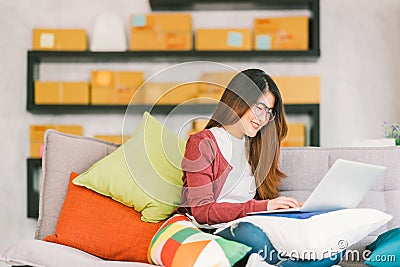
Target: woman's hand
283 203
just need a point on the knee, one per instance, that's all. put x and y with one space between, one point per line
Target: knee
252 236
244 231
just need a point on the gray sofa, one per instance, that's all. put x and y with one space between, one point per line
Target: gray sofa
304 168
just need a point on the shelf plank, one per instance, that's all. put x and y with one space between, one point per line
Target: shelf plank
157 109
173 56
122 109
162 5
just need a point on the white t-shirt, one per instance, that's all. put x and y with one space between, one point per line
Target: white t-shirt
240 184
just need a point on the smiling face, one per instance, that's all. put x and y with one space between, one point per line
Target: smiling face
249 124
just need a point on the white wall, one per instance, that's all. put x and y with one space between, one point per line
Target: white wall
359 68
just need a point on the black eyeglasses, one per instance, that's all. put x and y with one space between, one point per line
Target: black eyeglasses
261 110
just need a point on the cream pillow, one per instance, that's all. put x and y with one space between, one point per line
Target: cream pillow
319 236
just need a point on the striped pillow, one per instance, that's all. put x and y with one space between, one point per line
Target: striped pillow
179 243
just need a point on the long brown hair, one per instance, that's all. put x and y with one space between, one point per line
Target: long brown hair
264 148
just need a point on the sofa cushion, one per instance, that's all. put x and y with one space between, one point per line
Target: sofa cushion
180 243
62 154
304 167
38 253
314 236
385 249
144 173
385 156
102 227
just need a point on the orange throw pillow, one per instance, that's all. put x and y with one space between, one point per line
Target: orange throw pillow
101 226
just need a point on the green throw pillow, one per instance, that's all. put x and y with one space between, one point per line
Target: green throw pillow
144 173
385 249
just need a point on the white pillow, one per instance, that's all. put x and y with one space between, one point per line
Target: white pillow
38 253
320 236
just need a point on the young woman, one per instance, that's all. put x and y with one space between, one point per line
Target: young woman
231 167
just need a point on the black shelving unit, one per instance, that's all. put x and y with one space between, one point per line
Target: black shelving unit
35 58
33 165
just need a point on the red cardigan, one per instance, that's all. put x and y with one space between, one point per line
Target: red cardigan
204 173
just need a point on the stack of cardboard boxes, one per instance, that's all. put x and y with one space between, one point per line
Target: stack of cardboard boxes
106 87
67 93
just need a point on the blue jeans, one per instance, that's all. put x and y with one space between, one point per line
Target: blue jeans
252 236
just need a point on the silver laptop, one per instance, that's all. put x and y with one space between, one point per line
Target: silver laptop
343 187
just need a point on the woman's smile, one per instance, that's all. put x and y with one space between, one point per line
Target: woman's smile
255 125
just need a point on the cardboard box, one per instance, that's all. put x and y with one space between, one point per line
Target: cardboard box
37 136
223 39
109 96
299 89
162 22
215 82
281 33
70 129
153 41
169 93
114 88
72 93
117 79
296 135
116 139
161 31
199 124
59 39
209 98
37 131
36 148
